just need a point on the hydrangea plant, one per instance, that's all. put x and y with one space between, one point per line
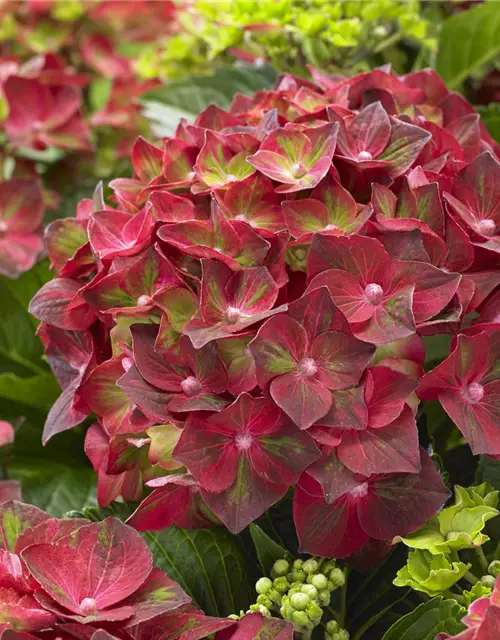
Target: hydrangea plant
290 34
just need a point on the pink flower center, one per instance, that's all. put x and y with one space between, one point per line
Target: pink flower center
233 314
359 492
298 170
127 363
3 226
365 155
474 392
143 301
88 606
190 386
487 227
307 367
374 293
330 227
243 441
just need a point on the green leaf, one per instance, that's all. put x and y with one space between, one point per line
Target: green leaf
469 40
192 94
268 551
211 565
370 596
39 391
164 118
20 349
427 620
52 486
490 115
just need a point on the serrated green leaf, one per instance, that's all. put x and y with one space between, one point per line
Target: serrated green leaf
268 551
192 94
490 115
211 565
468 41
427 620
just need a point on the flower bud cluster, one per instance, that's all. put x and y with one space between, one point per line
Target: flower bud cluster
299 590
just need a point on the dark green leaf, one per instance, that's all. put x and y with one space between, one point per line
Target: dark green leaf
192 94
490 115
268 551
52 486
20 349
211 565
469 40
371 595
38 391
427 620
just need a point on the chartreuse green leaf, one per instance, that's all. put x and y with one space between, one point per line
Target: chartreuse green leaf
427 620
458 526
39 391
430 573
468 41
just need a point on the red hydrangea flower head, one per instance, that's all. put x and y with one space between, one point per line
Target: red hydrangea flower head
248 312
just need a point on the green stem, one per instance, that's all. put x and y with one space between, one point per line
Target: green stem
343 599
483 561
387 42
307 634
470 577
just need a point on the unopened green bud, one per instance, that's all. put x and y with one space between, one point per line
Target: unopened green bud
263 585
332 626
281 567
319 581
274 595
265 600
298 575
260 608
310 590
314 612
299 601
286 610
488 581
297 564
310 566
234 616
337 577
301 622
494 568
324 597
281 585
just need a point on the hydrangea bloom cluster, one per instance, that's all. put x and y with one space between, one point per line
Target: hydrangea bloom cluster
65 87
247 315
96 580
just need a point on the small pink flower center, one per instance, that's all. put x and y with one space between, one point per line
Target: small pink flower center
233 314
243 441
365 155
190 386
307 367
241 217
298 170
127 363
359 492
374 293
88 606
474 392
3 226
330 227
487 227
143 301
